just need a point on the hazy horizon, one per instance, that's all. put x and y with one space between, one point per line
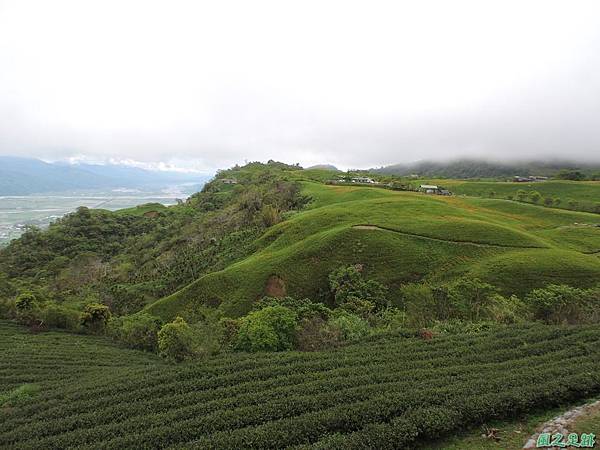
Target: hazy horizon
199 87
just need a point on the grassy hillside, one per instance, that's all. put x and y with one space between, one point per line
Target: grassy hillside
585 193
385 393
401 237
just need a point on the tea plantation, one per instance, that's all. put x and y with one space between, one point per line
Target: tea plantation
388 392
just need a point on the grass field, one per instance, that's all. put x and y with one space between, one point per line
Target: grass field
389 392
585 193
401 237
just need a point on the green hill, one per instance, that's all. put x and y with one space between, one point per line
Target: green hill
578 195
401 237
85 392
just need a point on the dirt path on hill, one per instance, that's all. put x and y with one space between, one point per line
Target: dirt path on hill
450 241
560 424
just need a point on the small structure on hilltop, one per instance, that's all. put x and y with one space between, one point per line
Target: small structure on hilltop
429 188
358 180
365 180
531 179
433 189
229 181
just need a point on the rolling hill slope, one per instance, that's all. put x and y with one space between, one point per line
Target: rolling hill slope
401 237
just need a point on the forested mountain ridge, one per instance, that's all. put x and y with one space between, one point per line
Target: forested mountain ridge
128 258
481 168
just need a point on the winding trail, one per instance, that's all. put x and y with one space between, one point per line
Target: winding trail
450 241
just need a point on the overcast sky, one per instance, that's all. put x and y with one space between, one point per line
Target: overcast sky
358 84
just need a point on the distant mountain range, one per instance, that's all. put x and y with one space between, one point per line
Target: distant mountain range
23 176
473 168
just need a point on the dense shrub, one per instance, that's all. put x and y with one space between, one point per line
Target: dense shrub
8 309
269 329
316 334
465 299
56 316
229 331
359 307
470 298
347 284
422 306
389 319
506 309
27 308
349 326
95 317
560 304
304 308
26 301
208 337
137 331
176 341
7 289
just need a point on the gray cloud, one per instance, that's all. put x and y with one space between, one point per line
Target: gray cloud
348 83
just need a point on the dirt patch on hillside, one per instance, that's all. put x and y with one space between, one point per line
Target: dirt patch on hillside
275 287
366 227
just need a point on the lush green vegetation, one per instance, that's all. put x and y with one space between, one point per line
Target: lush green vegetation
401 237
384 393
374 315
277 230
573 195
132 257
474 168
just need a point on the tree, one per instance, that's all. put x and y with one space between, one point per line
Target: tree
138 330
95 317
470 298
521 195
574 175
304 308
269 329
349 326
557 201
176 341
348 286
26 308
548 201
558 304
26 301
535 196
421 305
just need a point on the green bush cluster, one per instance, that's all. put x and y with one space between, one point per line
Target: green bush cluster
137 331
176 341
467 299
560 304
